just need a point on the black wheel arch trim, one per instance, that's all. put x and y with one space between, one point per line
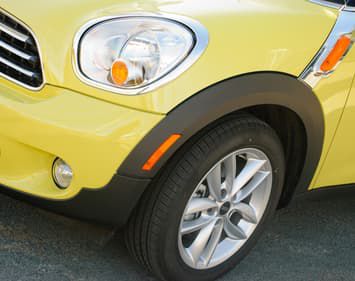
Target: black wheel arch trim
226 97
113 203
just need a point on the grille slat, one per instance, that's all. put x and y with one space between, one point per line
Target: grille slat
19 55
17 68
16 51
14 33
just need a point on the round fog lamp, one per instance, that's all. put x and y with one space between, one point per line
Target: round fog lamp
62 173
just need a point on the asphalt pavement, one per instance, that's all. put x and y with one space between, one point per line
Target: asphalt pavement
312 239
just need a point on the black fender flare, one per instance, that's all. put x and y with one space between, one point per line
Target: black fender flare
230 96
113 203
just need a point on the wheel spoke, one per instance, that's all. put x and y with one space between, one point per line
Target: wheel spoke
225 208
252 185
199 204
247 212
234 231
230 165
212 243
251 168
194 225
214 181
200 242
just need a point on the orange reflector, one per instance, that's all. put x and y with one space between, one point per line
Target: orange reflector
340 48
119 72
157 154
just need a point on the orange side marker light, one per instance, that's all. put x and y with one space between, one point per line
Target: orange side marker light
160 151
119 72
340 48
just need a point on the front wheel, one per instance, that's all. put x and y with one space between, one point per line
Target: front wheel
209 206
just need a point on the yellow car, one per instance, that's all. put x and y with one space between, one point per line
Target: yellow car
187 122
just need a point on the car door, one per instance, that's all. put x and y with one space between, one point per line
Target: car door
339 165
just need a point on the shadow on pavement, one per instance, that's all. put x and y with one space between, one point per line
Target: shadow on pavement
312 239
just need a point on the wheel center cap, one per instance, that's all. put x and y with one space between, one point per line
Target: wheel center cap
224 208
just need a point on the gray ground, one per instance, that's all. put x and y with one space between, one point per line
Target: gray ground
310 240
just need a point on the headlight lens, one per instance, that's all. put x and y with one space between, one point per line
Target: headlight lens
129 53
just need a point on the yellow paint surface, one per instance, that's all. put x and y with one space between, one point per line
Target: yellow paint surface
94 130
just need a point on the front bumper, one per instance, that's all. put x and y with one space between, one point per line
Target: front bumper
111 205
92 136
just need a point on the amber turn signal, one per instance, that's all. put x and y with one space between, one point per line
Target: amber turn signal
119 72
339 50
160 151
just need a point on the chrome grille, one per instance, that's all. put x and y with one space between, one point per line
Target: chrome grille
19 56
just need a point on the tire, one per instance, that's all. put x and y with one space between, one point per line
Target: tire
155 234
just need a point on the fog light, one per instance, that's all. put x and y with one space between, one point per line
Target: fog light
62 173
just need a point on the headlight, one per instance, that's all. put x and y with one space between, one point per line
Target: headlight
137 53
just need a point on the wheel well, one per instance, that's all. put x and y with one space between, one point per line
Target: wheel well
288 127
292 134
276 98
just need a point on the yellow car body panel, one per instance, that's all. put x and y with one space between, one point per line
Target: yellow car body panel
93 136
339 166
94 130
243 50
333 92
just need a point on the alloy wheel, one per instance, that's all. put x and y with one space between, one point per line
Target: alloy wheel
225 208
